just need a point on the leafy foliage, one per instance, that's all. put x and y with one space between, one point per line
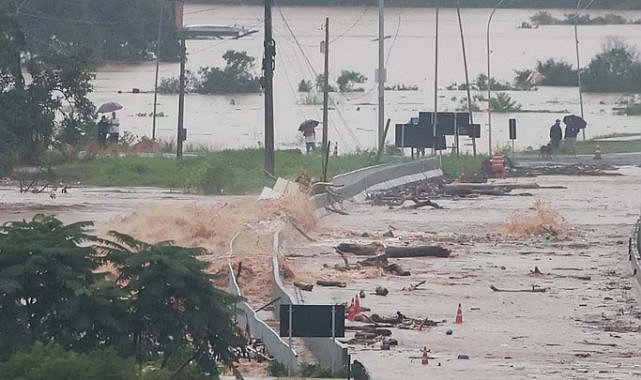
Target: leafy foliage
236 77
616 69
52 106
502 102
115 30
563 4
172 302
162 306
48 291
304 86
557 73
347 79
52 362
545 18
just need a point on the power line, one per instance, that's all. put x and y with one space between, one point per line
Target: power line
351 26
311 66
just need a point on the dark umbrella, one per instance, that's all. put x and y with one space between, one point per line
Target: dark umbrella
308 124
109 107
575 121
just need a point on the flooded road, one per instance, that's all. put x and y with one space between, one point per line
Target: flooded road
94 204
585 326
215 122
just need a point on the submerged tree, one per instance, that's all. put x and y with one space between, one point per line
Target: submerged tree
347 79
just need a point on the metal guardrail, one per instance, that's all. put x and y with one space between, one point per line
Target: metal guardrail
275 345
635 251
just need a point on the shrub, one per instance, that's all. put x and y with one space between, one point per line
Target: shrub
52 362
305 86
347 79
502 102
276 369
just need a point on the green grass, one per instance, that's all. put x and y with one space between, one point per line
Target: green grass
463 164
588 147
225 172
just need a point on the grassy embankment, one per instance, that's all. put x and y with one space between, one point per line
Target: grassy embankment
589 146
463 164
224 172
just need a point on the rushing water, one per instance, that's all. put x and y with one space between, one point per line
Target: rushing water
237 121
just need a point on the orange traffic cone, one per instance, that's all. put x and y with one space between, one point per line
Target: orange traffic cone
459 315
357 305
351 311
424 359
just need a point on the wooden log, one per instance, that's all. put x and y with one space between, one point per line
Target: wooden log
304 286
331 283
397 270
378 261
419 204
371 249
419 251
532 290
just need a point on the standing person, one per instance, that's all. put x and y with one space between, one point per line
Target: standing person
556 135
310 139
570 139
114 129
103 128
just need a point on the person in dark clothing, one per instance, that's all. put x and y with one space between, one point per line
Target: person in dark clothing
570 139
556 135
103 126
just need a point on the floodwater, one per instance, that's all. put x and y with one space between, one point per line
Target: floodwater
215 122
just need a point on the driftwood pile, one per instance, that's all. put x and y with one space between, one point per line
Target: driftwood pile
573 170
380 254
423 193
378 328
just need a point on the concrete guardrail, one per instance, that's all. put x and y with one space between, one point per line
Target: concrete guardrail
277 347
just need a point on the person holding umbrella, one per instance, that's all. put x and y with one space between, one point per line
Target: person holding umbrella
573 124
114 129
308 128
114 124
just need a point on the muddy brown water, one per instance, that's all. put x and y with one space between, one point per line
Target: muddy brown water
236 121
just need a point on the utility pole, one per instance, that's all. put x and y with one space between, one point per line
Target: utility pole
435 117
324 145
578 62
158 43
268 85
489 78
181 99
467 77
381 73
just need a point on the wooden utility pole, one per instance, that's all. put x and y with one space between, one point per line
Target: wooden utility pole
158 44
578 59
268 85
435 117
324 145
467 78
381 73
181 100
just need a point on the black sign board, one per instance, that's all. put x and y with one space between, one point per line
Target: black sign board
446 122
471 130
512 129
413 136
312 321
